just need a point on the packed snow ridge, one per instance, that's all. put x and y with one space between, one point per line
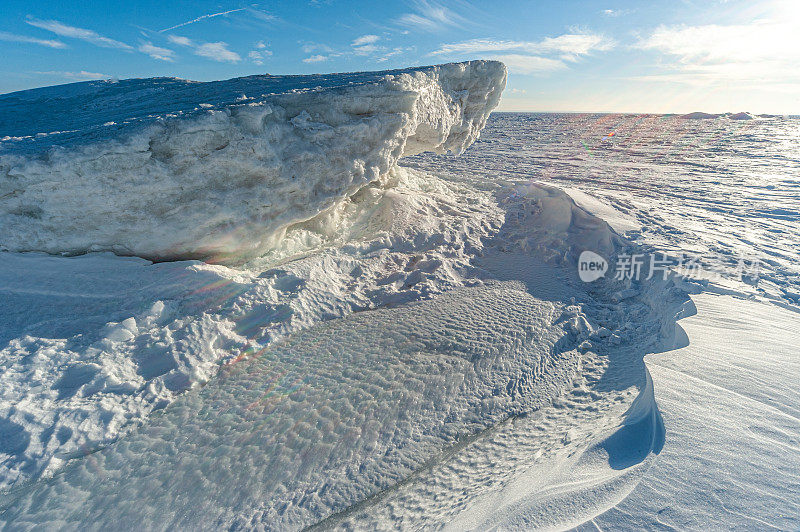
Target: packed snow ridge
164 168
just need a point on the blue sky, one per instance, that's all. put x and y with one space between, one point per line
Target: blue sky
661 56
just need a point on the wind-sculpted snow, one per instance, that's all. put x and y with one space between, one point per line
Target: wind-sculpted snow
109 339
323 427
316 424
164 168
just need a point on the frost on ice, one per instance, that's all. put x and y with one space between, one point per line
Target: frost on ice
165 168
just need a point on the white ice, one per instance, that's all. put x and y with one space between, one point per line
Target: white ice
140 168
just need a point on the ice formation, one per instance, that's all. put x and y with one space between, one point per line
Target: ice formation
740 116
165 168
699 115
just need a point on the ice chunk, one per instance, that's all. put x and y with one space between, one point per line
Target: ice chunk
698 115
741 116
173 179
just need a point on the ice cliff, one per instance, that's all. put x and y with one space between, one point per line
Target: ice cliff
164 168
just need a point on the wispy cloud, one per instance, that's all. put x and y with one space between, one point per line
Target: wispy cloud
12 37
764 50
82 75
217 51
202 17
157 52
574 45
258 56
393 52
59 28
430 16
616 12
530 64
311 47
366 45
366 39
261 16
315 59
570 45
179 40
528 57
368 49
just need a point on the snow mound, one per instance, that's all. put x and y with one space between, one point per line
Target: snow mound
708 116
731 451
698 115
164 168
741 116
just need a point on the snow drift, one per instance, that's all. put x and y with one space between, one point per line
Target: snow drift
142 167
327 422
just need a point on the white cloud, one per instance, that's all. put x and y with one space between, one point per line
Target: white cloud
366 39
202 17
528 57
430 16
766 50
365 45
616 12
573 45
393 52
367 49
257 56
261 45
570 45
315 59
529 64
78 76
311 47
218 51
12 37
157 52
59 28
182 41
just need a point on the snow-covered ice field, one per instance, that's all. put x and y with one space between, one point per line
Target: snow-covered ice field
263 303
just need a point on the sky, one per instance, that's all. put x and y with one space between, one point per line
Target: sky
661 56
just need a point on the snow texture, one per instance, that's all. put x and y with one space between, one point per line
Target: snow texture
421 353
732 450
140 167
317 427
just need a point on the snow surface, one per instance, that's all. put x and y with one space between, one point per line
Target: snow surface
731 451
138 167
319 426
421 353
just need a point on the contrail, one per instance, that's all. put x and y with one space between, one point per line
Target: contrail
210 15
